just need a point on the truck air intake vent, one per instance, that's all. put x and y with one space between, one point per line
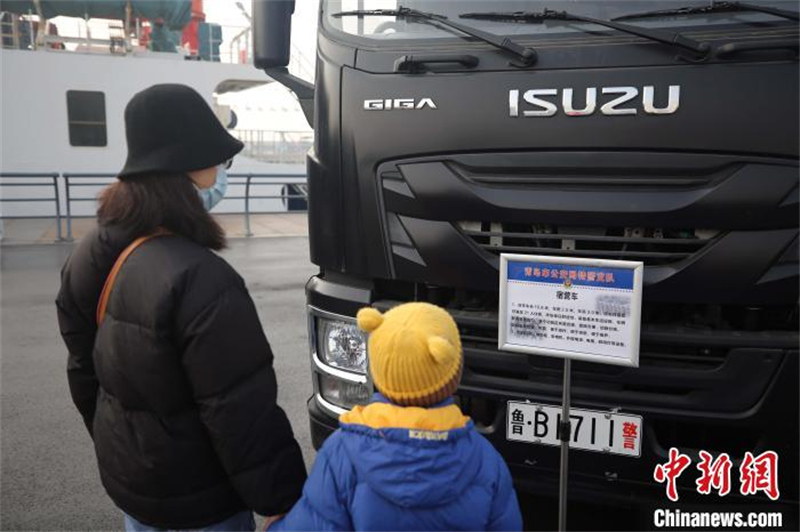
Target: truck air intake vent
588 181
582 172
653 246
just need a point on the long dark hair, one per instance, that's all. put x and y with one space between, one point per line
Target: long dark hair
145 203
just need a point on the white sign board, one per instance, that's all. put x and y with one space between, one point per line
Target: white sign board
567 307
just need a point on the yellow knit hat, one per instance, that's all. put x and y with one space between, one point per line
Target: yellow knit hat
414 353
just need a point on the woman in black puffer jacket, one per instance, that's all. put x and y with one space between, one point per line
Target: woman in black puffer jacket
175 384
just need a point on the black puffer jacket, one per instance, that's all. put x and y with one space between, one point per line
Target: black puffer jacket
176 386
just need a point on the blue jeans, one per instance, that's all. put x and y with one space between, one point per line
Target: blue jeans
240 521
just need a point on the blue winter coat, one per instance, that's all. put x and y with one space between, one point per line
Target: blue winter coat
405 468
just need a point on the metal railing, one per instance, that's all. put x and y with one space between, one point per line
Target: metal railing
42 180
273 146
69 199
294 193
289 182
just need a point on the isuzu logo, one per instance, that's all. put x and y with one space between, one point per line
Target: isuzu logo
398 103
615 101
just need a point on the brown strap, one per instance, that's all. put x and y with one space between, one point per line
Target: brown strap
112 276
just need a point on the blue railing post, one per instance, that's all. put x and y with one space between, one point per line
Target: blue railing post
60 237
69 207
247 230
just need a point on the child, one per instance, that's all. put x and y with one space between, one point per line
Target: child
409 460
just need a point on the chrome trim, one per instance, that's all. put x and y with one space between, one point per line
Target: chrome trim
330 407
337 373
673 102
513 103
567 102
628 94
546 108
330 315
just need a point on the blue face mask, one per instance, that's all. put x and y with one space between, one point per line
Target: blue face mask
213 195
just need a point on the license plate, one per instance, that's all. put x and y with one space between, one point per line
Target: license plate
591 430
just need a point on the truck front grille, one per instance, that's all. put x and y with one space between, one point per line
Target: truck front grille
653 246
687 363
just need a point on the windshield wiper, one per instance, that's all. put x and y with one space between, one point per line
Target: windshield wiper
532 17
715 7
526 55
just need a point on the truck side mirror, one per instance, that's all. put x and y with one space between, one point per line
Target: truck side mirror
272 32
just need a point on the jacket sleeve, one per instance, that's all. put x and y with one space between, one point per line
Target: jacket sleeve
78 334
323 506
82 279
228 363
505 513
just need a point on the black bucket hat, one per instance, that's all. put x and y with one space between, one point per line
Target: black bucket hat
171 128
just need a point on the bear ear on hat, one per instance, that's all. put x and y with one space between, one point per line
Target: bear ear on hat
442 350
369 319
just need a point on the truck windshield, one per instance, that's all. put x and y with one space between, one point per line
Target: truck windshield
389 28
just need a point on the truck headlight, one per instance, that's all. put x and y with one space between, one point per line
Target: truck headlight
342 345
339 361
341 393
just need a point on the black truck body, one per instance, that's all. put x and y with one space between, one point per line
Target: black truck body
419 178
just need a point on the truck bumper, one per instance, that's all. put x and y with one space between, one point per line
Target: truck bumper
322 422
743 396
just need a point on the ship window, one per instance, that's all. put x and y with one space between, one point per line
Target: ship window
86 113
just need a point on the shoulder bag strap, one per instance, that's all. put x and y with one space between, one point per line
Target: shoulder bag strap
112 276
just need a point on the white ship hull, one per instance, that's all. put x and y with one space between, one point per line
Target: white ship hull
35 126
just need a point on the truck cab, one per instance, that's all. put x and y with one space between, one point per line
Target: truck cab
436 151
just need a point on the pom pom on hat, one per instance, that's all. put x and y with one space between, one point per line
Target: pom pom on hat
369 319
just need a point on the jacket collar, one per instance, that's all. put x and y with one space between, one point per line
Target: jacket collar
380 413
378 397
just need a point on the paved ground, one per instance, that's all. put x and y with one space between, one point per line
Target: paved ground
49 477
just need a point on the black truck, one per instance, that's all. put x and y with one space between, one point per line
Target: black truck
449 132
